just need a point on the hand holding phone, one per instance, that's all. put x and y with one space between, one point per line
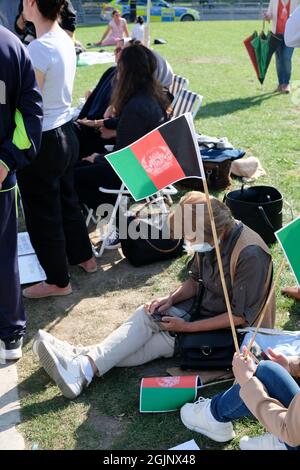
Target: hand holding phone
157 316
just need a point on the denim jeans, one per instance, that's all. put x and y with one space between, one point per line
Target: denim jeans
284 63
228 405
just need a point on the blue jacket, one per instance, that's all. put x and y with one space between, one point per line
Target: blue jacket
20 104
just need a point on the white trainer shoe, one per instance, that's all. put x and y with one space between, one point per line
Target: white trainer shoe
264 442
62 346
11 350
197 417
65 369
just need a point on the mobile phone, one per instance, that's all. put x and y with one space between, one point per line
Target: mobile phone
264 356
157 316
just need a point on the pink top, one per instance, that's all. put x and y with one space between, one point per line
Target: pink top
117 30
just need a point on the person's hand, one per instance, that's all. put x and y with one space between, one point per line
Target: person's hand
108 133
176 324
243 366
3 174
109 113
161 304
91 158
266 17
21 22
88 123
279 358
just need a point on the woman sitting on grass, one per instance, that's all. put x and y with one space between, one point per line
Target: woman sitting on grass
140 103
117 29
266 391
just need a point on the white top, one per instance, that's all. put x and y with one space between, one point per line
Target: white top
292 30
54 55
138 32
164 72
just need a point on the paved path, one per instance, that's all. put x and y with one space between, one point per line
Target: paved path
10 438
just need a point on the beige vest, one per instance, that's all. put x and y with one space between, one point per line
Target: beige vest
247 238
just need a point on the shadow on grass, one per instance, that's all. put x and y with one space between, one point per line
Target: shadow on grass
114 421
114 274
222 108
293 321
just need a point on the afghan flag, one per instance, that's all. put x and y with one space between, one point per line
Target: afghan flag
289 238
167 393
165 155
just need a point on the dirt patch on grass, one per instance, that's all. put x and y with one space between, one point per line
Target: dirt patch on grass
108 427
206 60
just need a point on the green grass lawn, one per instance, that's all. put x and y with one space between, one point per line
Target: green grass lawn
211 55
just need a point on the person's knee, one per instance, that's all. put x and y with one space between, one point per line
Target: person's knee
265 368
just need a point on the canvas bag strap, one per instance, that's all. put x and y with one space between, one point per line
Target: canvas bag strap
247 238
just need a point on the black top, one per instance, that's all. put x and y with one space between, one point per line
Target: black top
140 115
97 103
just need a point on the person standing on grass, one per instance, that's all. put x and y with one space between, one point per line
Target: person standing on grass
26 30
20 136
53 217
292 38
278 13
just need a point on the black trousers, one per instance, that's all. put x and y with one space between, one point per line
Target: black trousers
90 140
12 314
89 177
53 217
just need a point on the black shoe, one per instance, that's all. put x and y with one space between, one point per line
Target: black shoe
10 350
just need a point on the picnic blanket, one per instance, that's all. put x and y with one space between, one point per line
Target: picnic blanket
93 58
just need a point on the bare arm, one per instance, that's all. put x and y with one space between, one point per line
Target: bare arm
187 290
126 30
215 323
40 78
106 33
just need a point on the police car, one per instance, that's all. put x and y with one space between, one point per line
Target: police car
160 11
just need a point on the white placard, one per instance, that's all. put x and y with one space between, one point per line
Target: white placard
24 244
30 269
189 445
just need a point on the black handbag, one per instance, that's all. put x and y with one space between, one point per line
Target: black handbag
207 349
151 246
258 207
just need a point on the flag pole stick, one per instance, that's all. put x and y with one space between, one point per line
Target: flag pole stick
266 304
219 259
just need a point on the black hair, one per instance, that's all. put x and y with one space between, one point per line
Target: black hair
50 9
140 19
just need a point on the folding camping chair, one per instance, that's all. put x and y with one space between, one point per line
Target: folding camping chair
157 199
179 83
187 102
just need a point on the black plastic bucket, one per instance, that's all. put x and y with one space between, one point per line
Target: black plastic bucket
258 207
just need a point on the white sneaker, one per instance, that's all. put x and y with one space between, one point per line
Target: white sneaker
65 369
197 417
11 350
264 442
113 241
62 346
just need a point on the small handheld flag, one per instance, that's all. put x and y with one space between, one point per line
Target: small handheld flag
289 237
163 156
167 393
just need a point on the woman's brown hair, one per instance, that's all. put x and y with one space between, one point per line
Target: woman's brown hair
189 221
136 67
